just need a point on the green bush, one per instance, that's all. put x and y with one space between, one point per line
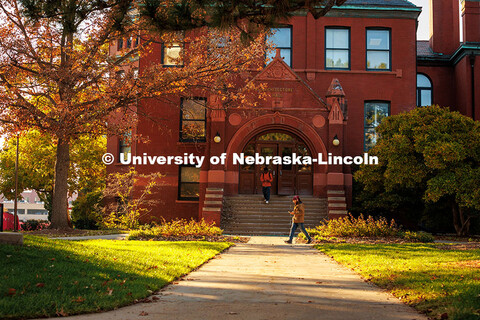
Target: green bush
176 228
417 236
364 228
358 227
87 210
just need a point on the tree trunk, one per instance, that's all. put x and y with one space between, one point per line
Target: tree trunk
60 192
462 225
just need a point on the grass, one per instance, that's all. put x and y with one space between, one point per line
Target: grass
434 281
52 233
49 277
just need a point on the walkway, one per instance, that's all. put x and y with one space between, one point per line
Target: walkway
267 279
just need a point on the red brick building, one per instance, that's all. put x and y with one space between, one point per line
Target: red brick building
339 76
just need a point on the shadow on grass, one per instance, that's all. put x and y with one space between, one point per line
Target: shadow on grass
58 277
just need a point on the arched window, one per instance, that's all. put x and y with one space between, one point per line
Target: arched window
424 91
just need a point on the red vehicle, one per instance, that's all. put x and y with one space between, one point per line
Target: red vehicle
8 221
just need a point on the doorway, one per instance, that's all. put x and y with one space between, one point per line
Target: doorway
288 179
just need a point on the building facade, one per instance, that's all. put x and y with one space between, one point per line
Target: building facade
331 82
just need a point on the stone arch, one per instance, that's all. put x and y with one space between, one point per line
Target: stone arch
277 121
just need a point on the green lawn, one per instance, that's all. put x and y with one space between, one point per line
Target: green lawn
49 277
432 280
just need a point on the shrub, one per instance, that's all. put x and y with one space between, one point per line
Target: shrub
358 227
87 210
176 228
33 225
364 228
420 236
129 198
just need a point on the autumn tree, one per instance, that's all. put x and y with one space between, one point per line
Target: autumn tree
430 154
58 77
37 155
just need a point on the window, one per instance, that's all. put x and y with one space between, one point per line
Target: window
189 183
375 112
282 39
172 52
124 146
337 48
424 91
119 44
129 42
193 120
378 49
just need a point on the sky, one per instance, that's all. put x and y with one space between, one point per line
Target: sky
423 31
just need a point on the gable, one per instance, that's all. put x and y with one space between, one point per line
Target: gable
285 89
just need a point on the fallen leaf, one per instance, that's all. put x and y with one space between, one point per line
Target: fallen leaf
143 313
444 316
79 299
155 298
40 285
109 291
61 313
11 291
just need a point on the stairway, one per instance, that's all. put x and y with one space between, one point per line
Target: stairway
250 215
337 203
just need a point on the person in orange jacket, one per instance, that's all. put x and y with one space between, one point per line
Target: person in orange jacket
266 178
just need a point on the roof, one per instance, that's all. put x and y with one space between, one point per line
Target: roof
424 50
381 3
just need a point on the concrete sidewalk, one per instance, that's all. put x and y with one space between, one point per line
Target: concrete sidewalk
267 279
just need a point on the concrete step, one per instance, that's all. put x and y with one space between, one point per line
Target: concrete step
343 199
335 192
214 195
210 203
250 215
214 189
332 205
330 211
211 209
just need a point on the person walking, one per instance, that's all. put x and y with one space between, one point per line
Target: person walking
298 219
266 178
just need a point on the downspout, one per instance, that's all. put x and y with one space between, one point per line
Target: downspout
472 82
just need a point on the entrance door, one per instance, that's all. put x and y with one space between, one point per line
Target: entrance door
267 149
286 172
288 179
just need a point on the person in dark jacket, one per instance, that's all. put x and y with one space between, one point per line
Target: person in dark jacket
298 220
266 178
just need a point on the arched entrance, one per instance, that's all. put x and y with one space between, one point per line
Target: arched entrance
287 178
